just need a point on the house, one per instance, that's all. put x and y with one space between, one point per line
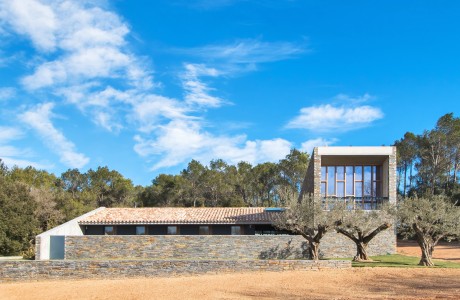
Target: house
364 175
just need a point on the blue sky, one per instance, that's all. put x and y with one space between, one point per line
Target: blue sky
143 87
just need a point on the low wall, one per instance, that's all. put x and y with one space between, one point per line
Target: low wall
216 246
109 269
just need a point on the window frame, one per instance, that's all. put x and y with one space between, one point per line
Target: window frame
357 179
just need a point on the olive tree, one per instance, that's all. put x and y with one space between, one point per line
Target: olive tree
361 226
430 220
308 219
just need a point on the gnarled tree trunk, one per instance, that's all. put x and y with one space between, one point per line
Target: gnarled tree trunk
362 241
314 240
426 245
361 252
313 250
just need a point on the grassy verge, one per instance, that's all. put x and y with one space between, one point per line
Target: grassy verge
401 261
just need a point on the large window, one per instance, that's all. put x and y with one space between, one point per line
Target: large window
362 182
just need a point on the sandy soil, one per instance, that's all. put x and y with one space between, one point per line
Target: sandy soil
358 283
446 251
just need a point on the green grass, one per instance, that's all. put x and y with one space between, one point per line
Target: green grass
401 261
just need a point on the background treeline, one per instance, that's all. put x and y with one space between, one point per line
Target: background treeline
428 163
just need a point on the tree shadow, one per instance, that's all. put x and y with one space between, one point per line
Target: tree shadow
287 251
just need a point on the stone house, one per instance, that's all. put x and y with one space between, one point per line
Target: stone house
367 175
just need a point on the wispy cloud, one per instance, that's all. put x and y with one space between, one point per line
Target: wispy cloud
248 51
39 119
14 156
196 91
308 146
7 93
9 133
341 117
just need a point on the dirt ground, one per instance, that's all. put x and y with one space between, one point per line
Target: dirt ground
446 251
357 283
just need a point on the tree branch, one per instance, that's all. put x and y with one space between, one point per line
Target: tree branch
382 227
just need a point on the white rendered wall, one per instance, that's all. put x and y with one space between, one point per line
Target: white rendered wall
69 228
350 150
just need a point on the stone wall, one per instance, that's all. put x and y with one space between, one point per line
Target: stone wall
185 247
217 246
108 269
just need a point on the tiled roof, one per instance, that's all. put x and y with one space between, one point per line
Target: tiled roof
181 215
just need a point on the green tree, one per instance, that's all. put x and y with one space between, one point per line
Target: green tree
292 173
362 226
407 153
18 225
266 177
430 219
310 220
245 183
110 188
193 176
166 190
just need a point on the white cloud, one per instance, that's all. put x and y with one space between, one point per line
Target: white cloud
9 154
248 51
33 19
86 43
39 119
345 117
197 92
9 133
308 146
153 110
22 163
182 140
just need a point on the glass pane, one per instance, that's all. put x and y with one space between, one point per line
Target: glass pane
367 181
340 189
204 230
323 189
140 230
378 189
340 173
349 177
236 230
108 230
331 181
323 173
358 189
358 173
172 229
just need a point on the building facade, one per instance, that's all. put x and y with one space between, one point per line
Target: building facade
366 176
363 176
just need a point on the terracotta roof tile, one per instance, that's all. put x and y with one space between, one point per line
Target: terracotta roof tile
181 215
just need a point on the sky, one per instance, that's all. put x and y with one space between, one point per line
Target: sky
143 87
